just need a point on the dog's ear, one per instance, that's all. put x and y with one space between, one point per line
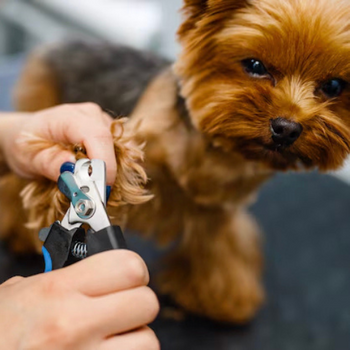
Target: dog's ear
195 10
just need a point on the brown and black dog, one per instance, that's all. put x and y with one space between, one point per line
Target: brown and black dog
260 86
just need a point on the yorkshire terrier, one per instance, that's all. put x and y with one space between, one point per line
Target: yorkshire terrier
260 86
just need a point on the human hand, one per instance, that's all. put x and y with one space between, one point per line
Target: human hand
71 124
101 303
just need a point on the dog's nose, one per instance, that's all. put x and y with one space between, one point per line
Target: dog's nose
285 132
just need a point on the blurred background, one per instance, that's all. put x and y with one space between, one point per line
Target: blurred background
26 24
143 24
147 24
305 217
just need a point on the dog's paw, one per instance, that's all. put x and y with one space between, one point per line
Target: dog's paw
233 295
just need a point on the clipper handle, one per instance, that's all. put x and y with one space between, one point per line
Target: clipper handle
63 247
107 239
57 246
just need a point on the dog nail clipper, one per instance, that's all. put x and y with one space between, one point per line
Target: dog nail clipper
66 242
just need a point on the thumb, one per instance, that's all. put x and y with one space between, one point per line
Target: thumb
49 161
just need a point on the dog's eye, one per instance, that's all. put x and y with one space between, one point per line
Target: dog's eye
254 67
333 88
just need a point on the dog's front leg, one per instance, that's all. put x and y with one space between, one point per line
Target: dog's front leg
216 270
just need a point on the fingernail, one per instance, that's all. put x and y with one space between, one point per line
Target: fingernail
72 159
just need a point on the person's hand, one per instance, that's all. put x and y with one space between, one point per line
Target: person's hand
101 303
83 123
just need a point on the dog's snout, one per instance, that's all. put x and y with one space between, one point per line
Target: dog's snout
285 132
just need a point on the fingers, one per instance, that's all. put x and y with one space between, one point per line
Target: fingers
66 124
107 273
88 107
141 339
48 162
86 124
101 146
120 312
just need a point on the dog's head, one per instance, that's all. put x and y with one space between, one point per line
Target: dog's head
269 78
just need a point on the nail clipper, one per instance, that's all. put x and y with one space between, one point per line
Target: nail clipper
66 242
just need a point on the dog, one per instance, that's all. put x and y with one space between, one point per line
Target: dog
260 86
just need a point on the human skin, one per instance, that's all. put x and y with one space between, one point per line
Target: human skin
83 123
100 303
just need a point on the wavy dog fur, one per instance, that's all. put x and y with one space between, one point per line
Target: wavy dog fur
206 130
301 44
129 188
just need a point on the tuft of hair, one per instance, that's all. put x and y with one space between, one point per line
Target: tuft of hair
45 204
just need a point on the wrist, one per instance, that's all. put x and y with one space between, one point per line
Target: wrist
4 128
9 123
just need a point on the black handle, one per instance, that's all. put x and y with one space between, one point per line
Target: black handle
60 242
107 239
58 245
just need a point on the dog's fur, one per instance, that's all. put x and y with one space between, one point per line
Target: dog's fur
206 125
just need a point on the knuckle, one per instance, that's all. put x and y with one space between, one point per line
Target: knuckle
13 280
93 107
136 269
102 132
150 340
103 138
63 107
151 302
98 134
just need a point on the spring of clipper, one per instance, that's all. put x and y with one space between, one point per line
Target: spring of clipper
79 250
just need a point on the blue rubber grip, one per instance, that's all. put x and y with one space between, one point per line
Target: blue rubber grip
48 261
68 166
108 192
